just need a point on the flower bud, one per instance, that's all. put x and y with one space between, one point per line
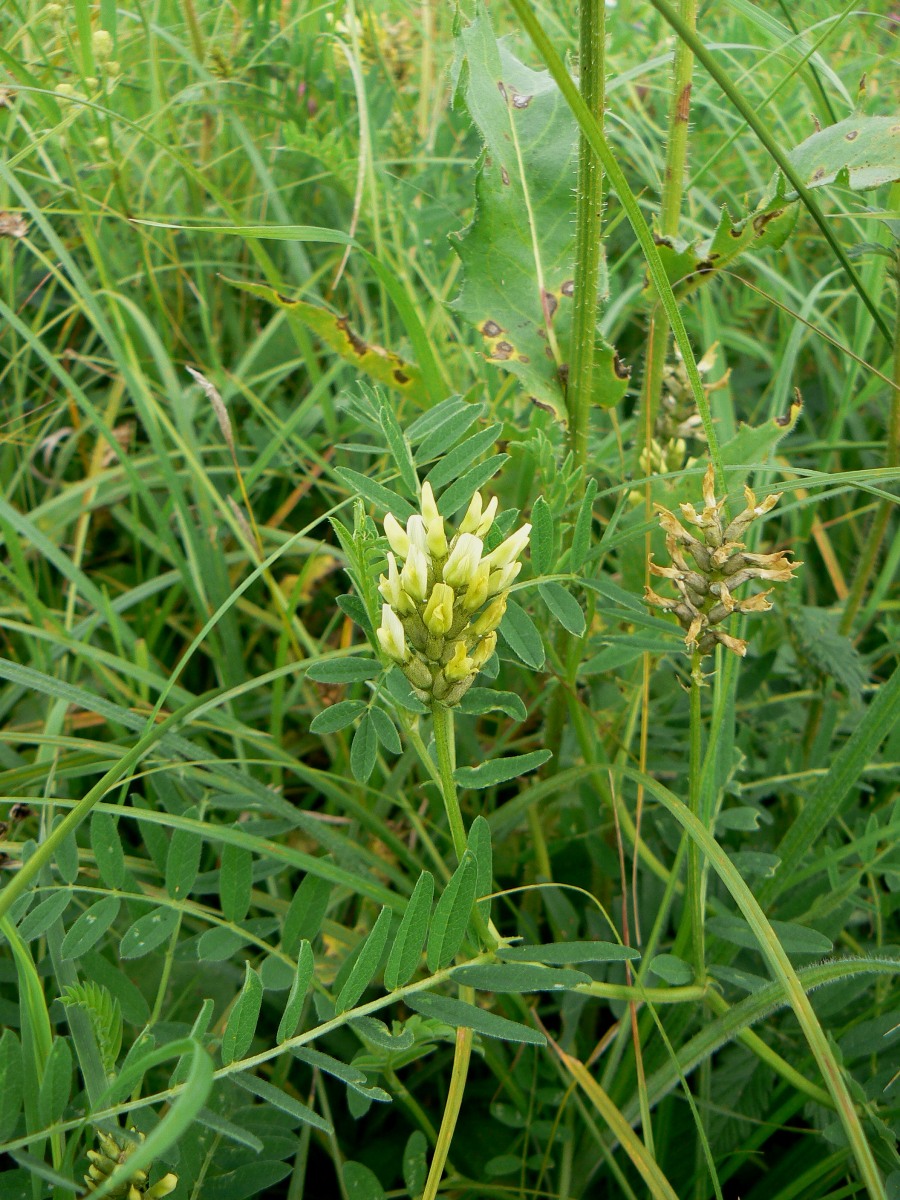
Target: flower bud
417 533
438 614
477 591
491 617
484 650
472 519
436 539
414 576
460 665
396 536
507 552
501 580
461 566
391 637
429 507
487 518
102 45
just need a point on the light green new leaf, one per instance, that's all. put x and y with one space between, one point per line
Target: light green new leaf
306 966
243 1017
407 948
366 964
452 914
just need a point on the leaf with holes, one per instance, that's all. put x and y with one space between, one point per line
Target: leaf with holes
518 254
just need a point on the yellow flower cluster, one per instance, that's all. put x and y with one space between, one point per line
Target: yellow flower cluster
720 565
444 598
112 1155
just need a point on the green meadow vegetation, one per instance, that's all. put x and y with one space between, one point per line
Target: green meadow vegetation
449 623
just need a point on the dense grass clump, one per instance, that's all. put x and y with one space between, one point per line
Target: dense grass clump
448 600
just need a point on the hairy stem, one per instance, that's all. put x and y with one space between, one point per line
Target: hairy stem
588 211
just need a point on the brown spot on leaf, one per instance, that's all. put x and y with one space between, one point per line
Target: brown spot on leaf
852 135
549 303
760 222
622 370
562 375
523 358
540 404
521 101
400 376
568 288
542 332
491 329
502 89
503 350
704 268
791 415
548 352
818 173
359 346
504 176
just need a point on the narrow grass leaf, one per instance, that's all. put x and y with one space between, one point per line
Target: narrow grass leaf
235 881
90 927
293 1009
561 954
518 977
500 770
564 607
269 1094
460 1014
107 847
366 964
148 932
337 717
406 951
242 1021
452 914
521 635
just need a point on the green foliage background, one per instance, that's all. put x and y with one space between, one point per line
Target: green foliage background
254 947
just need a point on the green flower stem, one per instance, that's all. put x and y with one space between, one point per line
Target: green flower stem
696 906
445 746
461 1057
588 214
